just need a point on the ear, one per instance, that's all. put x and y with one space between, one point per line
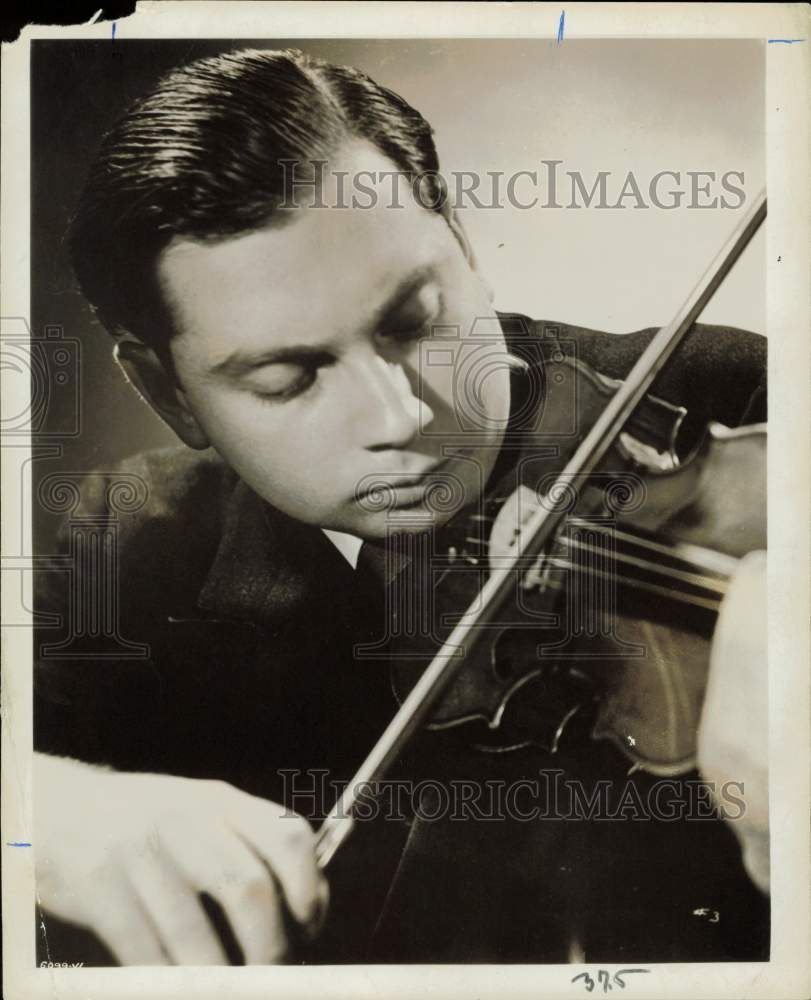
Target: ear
159 388
452 218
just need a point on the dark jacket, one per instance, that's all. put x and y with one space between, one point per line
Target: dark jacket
230 656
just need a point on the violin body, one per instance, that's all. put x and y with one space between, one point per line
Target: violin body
610 626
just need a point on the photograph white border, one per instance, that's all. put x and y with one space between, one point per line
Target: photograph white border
788 973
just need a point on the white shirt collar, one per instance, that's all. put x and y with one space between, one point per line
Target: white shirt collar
347 545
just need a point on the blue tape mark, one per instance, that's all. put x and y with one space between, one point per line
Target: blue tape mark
113 30
560 26
785 41
17 843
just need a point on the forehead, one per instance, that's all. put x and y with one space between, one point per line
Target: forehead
323 269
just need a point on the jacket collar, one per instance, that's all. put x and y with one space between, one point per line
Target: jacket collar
268 568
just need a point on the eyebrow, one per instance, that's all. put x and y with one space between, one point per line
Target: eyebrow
241 363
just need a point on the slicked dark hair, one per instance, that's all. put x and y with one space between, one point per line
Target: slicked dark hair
201 157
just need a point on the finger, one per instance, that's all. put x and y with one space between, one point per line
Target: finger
253 906
737 685
176 912
221 865
127 931
286 843
742 616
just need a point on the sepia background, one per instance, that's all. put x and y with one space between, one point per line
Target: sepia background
615 105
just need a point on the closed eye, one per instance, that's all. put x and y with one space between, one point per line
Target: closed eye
406 335
416 321
285 381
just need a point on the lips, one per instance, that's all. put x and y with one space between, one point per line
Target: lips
388 491
408 482
403 481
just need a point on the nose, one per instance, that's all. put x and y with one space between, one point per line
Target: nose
391 414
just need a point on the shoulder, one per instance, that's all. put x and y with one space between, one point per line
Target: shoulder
160 488
138 540
168 508
706 350
176 478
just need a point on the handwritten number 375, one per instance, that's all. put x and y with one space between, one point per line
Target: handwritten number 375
605 979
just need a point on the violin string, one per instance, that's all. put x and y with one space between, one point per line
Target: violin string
559 562
714 586
696 556
684 576
714 562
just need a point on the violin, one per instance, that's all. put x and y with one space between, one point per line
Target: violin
617 612
569 573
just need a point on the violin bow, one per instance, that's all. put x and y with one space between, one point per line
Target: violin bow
533 535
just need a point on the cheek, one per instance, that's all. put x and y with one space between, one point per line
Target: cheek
272 449
471 378
491 386
473 373
436 364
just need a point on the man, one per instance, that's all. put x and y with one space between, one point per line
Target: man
278 333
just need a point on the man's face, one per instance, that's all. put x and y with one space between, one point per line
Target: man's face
305 352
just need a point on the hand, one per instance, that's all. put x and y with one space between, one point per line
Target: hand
733 735
127 855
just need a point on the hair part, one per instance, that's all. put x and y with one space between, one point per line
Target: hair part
202 157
